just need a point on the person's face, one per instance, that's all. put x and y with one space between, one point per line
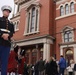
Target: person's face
6 13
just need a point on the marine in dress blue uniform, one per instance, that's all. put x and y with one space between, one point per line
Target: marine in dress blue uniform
6 33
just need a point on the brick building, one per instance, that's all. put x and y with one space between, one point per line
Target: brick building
45 27
66 29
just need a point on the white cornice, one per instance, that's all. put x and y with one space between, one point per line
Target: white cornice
32 2
60 1
66 2
35 41
15 19
20 1
16 1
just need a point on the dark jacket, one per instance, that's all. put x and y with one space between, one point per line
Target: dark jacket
36 69
74 67
52 68
47 68
41 65
3 25
25 72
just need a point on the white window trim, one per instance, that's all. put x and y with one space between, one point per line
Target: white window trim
65 4
30 21
35 19
68 9
16 24
68 15
61 12
38 18
31 17
71 32
31 33
26 26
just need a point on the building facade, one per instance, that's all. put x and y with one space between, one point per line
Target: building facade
66 29
45 28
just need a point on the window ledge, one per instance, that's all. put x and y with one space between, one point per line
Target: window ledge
16 30
67 43
17 14
70 14
31 33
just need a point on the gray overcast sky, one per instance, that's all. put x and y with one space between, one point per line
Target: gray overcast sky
6 2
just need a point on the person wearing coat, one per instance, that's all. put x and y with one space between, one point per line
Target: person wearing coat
62 65
41 66
21 62
12 61
25 71
36 68
47 68
21 66
52 67
74 69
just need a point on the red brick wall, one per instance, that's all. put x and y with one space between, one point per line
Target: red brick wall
48 24
44 21
19 34
60 24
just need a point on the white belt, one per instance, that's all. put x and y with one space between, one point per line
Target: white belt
5 30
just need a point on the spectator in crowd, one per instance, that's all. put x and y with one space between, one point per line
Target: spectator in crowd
25 72
21 61
52 67
74 69
41 66
36 68
70 69
47 68
62 65
32 69
12 61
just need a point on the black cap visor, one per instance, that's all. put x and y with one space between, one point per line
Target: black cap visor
7 10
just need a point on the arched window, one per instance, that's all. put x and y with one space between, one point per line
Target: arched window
36 20
28 22
32 23
67 36
61 10
66 9
17 25
72 7
33 20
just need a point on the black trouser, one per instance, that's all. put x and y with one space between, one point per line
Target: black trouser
36 72
70 73
42 72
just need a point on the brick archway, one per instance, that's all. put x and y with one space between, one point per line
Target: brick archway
69 55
